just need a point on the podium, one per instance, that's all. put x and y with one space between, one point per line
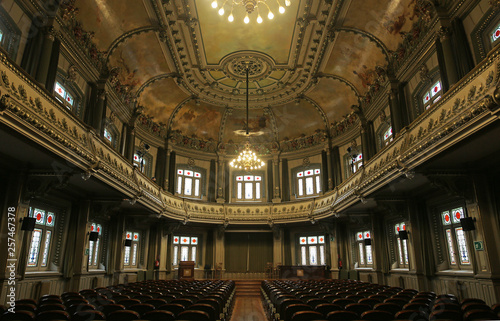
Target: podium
186 270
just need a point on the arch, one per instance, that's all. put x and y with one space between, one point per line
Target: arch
153 80
368 35
319 109
176 110
127 35
346 82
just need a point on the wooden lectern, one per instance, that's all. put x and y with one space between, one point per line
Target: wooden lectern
186 270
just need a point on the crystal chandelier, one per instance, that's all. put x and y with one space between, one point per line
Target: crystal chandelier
247 159
250 6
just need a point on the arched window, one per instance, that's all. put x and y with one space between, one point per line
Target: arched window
189 183
402 245
455 238
384 134
249 187
364 249
307 182
131 251
143 162
185 248
95 247
111 134
41 238
432 94
353 163
312 250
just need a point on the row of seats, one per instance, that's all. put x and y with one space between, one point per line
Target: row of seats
207 300
348 300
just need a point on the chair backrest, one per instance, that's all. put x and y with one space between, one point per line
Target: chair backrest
18 316
156 302
306 316
212 312
79 307
127 303
123 315
445 314
342 316
480 315
377 315
370 302
25 307
325 308
88 315
172 307
49 300
414 315
292 308
108 308
184 302
159 315
388 307
314 302
445 306
398 301
474 306
343 302
142 308
26 301
193 315
358 308
52 315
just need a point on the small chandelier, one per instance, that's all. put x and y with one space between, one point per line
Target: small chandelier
247 159
250 6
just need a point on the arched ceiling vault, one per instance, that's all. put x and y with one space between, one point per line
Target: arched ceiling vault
186 65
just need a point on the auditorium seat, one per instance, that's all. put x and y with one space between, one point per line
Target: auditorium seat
127 303
53 315
370 302
377 315
306 316
474 306
209 309
414 315
108 308
159 315
79 307
18 316
479 315
358 308
325 308
291 309
25 307
388 307
192 315
88 315
172 307
342 316
445 314
141 308
123 315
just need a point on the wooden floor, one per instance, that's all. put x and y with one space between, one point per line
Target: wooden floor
248 308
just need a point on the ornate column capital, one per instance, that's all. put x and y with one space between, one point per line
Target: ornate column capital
444 33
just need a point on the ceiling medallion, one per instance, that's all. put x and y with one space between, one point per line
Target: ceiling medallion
236 67
250 6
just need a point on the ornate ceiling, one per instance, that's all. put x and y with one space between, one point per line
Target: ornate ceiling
185 64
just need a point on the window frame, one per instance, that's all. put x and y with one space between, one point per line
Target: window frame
430 91
360 246
348 164
303 244
114 133
134 252
45 230
201 180
384 127
94 259
254 183
70 88
453 241
148 158
316 176
177 245
11 34
401 246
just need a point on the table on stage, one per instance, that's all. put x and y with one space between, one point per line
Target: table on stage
303 272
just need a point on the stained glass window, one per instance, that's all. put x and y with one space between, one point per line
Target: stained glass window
309 250
462 246
451 251
249 187
41 238
361 253
495 34
365 250
187 250
1 36
402 245
188 183
456 238
91 249
308 182
354 163
126 259
432 95
108 135
387 136
132 250
63 95
369 259
36 239
457 214
134 254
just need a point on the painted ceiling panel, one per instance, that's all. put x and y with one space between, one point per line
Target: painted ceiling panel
355 57
221 37
386 20
139 59
260 126
109 19
334 97
202 121
294 120
160 99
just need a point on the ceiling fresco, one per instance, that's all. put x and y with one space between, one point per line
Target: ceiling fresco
186 65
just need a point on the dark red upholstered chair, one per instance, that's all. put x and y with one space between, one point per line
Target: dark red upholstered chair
79 307
25 307
214 303
377 315
156 302
358 308
413 315
184 302
192 315
496 308
326 308
142 297
355 297
343 302
88 315
291 309
425 308
342 316
51 307
159 315
18 316
69 302
53 315
398 301
172 307
426 301
474 306
371 302
209 309
26 301
388 307
307 316
119 297
108 308
141 308
50 300
445 314
331 297
314 302
445 306
480 315
167 297
123 315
